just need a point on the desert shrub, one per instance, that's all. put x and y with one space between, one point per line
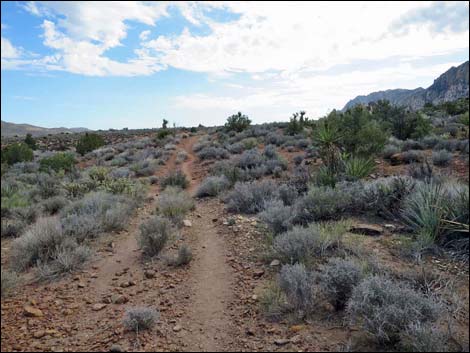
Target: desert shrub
184 256
144 168
412 145
385 196
297 284
235 148
12 227
449 145
88 143
296 245
66 259
338 278
420 337
438 213
213 153
423 171
250 197
272 302
47 185
288 194
59 161
298 159
98 174
389 150
140 318
162 134
121 173
441 158
154 234
250 159
45 243
430 141
300 178
277 216
181 156
15 153
96 213
212 186
412 156
320 204
237 122
386 309
30 141
249 143
324 176
175 179
356 168
9 281
270 152
54 204
174 204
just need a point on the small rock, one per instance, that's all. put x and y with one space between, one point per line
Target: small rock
115 348
275 263
177 328
254 297
98 307
39 334
297 328
281 342
119 299
149 274
258 273
296 339
390 227
187 223
81 285
367 229
32 312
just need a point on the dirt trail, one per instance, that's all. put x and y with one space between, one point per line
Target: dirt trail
210 279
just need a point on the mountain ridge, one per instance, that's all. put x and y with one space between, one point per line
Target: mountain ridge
449 86
12 129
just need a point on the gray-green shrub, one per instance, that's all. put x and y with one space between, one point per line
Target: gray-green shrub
338 278
154 234
213 186
386 309
140 318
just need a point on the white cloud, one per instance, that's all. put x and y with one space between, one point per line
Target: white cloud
144 35
8 50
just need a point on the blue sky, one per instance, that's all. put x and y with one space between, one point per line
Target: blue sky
131 64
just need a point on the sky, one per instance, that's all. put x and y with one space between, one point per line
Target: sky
130 64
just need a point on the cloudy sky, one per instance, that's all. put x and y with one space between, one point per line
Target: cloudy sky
131 64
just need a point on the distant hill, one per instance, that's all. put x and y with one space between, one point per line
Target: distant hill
12 129
451 85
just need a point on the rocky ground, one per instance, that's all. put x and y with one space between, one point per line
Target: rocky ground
212 304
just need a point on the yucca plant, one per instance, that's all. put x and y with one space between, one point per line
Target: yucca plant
328 138
356 168
425 210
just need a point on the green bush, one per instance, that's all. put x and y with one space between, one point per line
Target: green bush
60 161
30 141
237 122
356 168
89 142
161 134
18 152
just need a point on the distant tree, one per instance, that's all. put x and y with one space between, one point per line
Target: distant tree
165 124
58 162
89 142
297 123
30 141
237 122
18 152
